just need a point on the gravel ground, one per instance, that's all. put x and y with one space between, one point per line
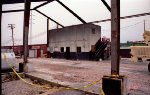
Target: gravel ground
18 87
138 82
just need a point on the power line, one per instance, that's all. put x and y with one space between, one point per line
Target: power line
131 25
125 27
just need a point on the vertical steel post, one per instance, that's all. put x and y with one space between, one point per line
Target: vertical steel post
47 32
1 18
115 37
26 29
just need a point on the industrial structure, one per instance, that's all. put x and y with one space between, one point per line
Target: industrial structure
82 41
115 80
78 42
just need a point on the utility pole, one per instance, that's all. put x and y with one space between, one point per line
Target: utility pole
12 27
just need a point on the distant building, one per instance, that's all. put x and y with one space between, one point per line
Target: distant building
73 42
77 42
35 51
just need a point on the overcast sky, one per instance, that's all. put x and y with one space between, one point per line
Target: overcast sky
90 10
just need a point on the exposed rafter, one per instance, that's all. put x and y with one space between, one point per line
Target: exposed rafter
19 1
43 4
19 10
71 11
107 6
125 17
49 18
8 11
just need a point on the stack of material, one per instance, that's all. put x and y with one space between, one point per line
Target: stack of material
146 36
140 52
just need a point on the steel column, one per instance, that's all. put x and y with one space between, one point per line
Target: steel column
26 29
115 84
47 31
1 19
115 36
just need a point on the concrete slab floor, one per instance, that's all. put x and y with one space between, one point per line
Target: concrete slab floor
79 73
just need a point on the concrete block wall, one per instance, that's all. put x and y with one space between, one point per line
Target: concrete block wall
83 35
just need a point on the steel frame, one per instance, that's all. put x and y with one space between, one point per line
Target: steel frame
107 6
71 11
115 25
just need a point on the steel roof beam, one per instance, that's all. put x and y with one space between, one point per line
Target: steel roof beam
49 18
125 17
137 15
19 1
19 10
8 11
43 4
107 6
71 11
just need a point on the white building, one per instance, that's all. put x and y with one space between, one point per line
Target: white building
73 42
